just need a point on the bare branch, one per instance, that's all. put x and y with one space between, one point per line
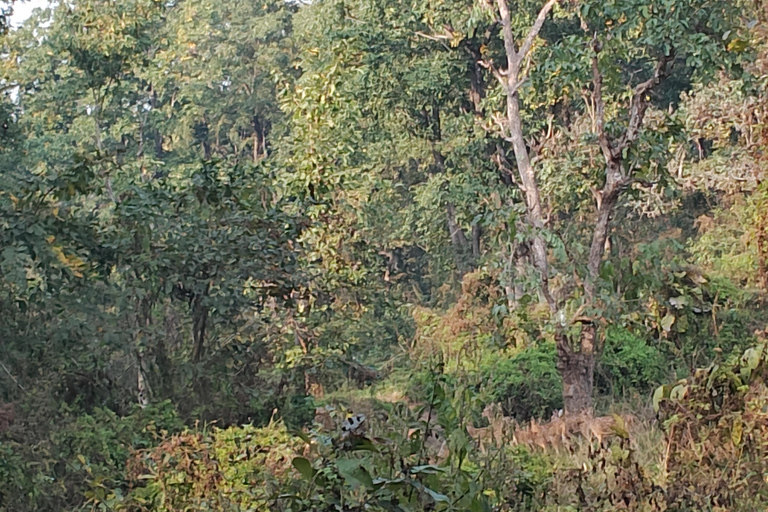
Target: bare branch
488 64
515 57
12 377
535 29
599 104
438 38
639 103
509 38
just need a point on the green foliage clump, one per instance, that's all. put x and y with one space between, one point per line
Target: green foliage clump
397 459
252 205
630 363
90 453
526 384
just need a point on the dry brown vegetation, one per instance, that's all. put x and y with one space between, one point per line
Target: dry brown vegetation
558 433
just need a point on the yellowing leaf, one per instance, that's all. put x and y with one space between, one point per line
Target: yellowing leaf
73 263
667 321
737 431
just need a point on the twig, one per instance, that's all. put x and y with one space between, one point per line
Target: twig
12 377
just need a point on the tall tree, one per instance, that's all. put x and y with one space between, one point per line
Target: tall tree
603 67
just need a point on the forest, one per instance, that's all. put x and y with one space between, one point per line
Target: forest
384 255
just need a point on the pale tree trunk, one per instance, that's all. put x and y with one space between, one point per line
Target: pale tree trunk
511 81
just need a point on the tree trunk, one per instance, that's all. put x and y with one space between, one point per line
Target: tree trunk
576 358
577 368
156 135
142 385
476 82
259 140
528 183
476 234
461 249
206 150
199 323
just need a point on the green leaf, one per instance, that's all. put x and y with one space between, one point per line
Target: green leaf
438 497
353 471
678 392
304 467
478 505
737 45
364 444
751 358
301 435
428 469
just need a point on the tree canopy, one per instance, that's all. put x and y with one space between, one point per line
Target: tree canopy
258 214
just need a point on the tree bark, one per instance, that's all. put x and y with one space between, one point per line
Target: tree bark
576 360
259 145
476 233
577 369
199 324
206 150
511 81
156 135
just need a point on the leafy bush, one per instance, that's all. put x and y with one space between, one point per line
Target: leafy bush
90 451
221 469
400 461
629 363
527 384
716 426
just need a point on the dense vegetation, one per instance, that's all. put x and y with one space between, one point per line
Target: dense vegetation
229 228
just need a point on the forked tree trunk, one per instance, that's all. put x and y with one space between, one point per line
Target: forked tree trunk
511 81
576 357
576 360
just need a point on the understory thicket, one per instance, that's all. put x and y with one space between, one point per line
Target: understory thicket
384 255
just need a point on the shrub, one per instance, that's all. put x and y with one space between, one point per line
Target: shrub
526 384
90 452
231 469
400 461
629 363
716 426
